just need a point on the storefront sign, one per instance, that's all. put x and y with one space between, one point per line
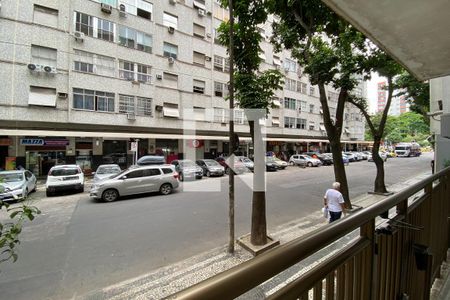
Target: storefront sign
56 142
195 143
42 142
5 142
133 146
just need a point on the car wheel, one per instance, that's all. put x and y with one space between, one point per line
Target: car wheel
110 195
309 164
48 193
165 189
26 193
208 174
291 163
181 177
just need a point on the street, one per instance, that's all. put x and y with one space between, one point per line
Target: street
77 244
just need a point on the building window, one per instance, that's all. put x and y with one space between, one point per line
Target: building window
42 96
144 73
133 71
301 123
170 80
290 65
45 16
170 20
216 36
43 56
220 89
199 113
144 42
332 96
144 9
126 104
94 63
221 64
312 125
302 87
289 103
289 122
93 100
84 23
105 30
301 105
127 37
275 122
171 110
290 84
199 87
104 65
221 115
220 12
199 31
126 70
276 61
170 50
311 91
135 105
311 108
144 106
83 62
199 58
239 117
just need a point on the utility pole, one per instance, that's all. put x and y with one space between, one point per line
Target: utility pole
231 134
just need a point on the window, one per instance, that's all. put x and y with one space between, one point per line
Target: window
170 20
135 174
199 87
144 42
302 87
239 117
151 172
42 96
275 122
312 125
133 71
199 31
43 56
301 123
93 100
276 60
289 122
105 30
126 104
289 103
170 50
170 80
199 4
144 9
220 12
199 58
301 105
290 84
290 65
126 70
84 23
332 96
167 170
94 63
199 113
135 105
220 89
311 91
216 36
144 106
221 64
127 37
45 16
143 73
171 110
311 108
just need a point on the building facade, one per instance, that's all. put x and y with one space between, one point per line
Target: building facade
84 81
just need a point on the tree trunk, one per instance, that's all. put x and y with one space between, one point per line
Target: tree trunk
339 169
258 235
379 185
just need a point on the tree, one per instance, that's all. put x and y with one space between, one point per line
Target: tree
416 92
386 67
332 52
254 89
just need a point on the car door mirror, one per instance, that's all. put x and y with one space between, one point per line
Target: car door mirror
123 177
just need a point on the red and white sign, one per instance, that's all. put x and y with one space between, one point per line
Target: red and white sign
195 143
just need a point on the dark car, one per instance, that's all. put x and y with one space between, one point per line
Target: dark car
239 167
325 159
151 160
187 169
271 164
210 167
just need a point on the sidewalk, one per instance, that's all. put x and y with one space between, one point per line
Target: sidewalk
170 279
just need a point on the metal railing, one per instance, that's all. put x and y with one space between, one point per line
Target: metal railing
399 261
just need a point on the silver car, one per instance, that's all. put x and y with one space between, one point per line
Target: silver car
16 185
136 180
105 171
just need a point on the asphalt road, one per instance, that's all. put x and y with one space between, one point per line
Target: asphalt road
78 245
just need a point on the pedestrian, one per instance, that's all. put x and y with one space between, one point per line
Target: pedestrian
334 202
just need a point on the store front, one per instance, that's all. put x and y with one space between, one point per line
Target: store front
115 152
5 142
167 148
42 154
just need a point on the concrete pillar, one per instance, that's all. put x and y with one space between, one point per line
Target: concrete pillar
15 149
97 146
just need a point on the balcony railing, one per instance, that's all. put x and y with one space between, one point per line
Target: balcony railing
399 261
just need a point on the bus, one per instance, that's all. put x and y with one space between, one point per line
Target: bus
407 149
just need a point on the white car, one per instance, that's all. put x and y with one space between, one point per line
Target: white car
383 156
16 185
64 178
304 160
106 171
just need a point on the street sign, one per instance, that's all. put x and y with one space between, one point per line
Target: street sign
133 146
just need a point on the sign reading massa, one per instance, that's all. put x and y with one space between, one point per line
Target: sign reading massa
43 142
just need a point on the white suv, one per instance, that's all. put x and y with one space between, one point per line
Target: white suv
64 178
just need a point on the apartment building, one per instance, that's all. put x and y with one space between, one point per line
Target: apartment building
87 82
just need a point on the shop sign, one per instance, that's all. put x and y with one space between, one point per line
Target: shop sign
56 142
195 143
5 142
133 146
32 142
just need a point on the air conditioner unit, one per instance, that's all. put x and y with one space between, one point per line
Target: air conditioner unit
171 29
79 36
158 108
106 8
171 60
173 2
35 68
201 12
208 58
122 10
50 70
208 35
131 116
62 95
158 76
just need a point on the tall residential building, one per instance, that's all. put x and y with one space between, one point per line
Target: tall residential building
398 105
382 93
84 79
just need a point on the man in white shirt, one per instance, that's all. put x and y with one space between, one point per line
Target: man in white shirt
334 201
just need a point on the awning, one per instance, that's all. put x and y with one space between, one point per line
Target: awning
346 131
276 61
200 5
322 127
276 102
275 121
262 55
171 112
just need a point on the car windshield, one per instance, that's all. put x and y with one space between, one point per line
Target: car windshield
270 159
246 159
277 159
108 170
187 163
211 163
307 157
12 177
64 172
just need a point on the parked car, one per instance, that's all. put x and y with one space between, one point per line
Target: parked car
136 180
383 156
312 154
364 155
280 163
325 159
304 160
105 171
210 167
351 157
147 160
16 185
187 169
271 165
248 163
345 159
358 156
238 168
64 178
